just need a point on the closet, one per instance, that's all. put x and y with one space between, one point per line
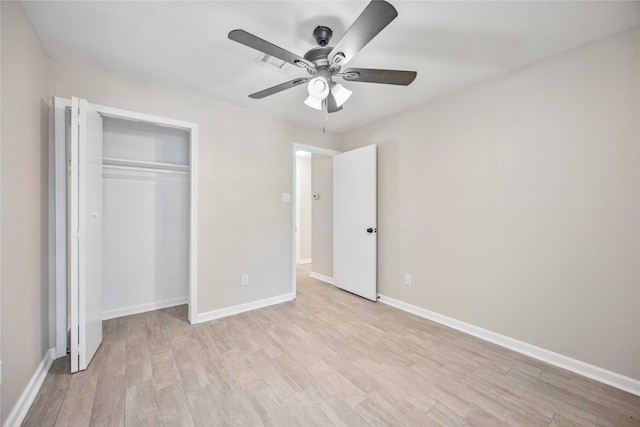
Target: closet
123 215
145 194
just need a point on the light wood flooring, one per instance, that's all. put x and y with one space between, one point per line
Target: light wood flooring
328 358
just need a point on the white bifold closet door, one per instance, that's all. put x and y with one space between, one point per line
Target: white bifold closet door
85 233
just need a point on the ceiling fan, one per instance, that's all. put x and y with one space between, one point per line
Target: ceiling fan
324 62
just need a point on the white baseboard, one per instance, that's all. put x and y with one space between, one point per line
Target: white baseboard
304 261
322 277
142 308
241 308
602 375
19 411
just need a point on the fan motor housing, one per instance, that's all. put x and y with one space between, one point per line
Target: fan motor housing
318 55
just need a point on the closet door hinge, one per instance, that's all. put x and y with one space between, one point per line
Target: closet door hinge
77 117
79 235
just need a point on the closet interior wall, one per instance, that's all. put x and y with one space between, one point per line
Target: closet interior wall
146 217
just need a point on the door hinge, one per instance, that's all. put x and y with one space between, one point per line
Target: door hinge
79 235
79 114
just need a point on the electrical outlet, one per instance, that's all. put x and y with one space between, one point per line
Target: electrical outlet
408 280
245 279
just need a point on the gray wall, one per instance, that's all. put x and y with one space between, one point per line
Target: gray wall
24 193
514 204
244 164
322 214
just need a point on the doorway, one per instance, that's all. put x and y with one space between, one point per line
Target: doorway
313 212
353 229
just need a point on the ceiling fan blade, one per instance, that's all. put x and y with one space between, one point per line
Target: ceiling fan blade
377 15
278 88
332 106
257 43
370 75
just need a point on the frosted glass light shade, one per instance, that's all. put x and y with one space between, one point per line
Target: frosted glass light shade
340 93
314 102
318 87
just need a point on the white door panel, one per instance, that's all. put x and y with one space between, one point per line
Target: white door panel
85 233
355 221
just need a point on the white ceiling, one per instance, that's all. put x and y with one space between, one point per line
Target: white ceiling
450 44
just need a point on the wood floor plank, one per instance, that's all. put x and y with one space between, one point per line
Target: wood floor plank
114 330
217 372
343 387
306 413
293 369
327 358
239 366
376 415
270 408
78 402
238 409
192 374
205 408
141 408
164 370
409 414
158 339
115 359
173 409
136 330
446 417
278 381
44 410
340 413
480 418
138 363
109 401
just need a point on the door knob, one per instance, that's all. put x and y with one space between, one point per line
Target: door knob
371 230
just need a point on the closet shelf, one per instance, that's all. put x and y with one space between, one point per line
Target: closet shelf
142 165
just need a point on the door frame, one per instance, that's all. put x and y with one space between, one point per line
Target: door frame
58 209
294 208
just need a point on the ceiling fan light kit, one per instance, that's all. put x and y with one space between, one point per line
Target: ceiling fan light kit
340 93
318 87
324 62
313 102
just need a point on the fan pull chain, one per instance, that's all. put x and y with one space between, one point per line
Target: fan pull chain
325 108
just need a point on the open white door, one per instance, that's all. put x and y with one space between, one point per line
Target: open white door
85 233
355 221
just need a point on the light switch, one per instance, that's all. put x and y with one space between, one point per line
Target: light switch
286 197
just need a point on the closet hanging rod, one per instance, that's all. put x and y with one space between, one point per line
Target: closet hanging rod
142 165
141 169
